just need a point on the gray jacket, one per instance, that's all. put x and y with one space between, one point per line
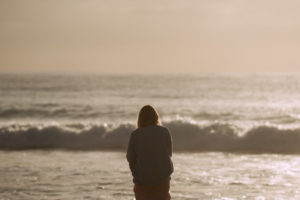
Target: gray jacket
149 154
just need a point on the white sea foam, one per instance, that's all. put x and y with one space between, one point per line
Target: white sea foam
186 136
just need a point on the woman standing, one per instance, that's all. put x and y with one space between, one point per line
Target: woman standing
149 155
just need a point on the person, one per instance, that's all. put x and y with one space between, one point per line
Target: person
149 155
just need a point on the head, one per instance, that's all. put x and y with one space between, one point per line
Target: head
148 116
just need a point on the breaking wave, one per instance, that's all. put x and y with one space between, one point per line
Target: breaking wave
72 111
186 137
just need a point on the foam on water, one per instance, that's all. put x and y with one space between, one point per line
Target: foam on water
186 136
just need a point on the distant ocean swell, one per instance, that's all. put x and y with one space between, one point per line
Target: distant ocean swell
186 137
50 111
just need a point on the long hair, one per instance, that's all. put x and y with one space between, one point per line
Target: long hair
148 116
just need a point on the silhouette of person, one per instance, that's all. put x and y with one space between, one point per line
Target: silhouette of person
149 155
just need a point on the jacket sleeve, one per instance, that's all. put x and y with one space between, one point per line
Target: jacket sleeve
170 143
131 156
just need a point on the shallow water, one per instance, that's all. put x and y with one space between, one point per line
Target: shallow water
72 175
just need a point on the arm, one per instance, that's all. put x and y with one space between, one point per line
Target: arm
131 157
169 143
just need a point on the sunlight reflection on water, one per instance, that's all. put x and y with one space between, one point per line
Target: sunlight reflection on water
105 175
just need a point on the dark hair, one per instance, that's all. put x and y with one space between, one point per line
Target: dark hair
148 116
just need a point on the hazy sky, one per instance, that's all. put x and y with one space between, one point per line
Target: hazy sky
157 36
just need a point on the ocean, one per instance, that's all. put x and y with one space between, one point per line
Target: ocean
235 136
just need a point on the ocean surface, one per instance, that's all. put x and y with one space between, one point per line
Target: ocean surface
236 136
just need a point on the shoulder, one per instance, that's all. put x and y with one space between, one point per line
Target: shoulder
166 132
156 128
163 129
133 133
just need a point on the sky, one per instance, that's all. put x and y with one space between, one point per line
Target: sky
149 36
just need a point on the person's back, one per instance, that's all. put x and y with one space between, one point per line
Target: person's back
152 147
149 155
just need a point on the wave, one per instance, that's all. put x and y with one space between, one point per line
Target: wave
217 116
186 137
70 136
53 111
227 138
281 119
73 111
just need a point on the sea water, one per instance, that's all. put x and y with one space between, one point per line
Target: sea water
69 175
235 136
